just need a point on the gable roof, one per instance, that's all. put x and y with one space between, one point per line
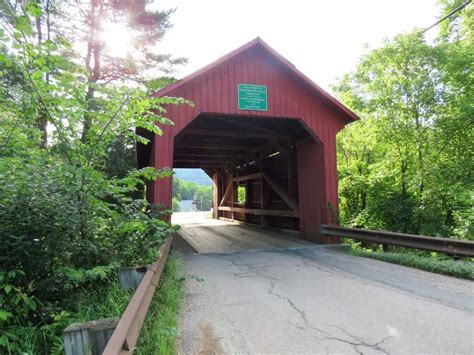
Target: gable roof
254 43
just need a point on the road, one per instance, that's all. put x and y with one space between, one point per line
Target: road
313 300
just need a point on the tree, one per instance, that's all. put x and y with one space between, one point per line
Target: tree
148 26
67 220
406 166
203 198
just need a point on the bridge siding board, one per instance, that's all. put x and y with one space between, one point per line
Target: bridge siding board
215 91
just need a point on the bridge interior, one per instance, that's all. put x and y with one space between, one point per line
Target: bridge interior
253 164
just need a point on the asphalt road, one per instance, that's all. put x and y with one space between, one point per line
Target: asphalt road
314 300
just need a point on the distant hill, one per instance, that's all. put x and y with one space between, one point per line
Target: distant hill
195 175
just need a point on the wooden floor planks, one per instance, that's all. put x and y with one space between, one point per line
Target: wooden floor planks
208 235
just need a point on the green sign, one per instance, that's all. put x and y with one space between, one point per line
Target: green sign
252 97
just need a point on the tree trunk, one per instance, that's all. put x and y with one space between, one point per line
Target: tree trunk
42 118
94 49
421 186
403 170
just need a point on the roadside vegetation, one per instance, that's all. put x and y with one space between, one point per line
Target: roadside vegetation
406 166
72 203
159 333
423 260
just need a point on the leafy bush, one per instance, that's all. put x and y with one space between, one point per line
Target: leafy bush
69 215
50 222
16 305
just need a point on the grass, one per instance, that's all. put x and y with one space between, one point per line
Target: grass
432 262
107 300
159 333
103 302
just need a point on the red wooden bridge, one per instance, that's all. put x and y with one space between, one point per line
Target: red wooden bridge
259 123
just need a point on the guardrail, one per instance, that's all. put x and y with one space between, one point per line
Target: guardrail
125 335
440 245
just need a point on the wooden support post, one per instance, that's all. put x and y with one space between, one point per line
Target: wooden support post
233 197
292 180
248 198
263 201
228 191
292 172
215 195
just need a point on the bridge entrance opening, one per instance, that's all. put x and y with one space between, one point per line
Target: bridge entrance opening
252 162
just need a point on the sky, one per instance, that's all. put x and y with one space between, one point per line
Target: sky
323 39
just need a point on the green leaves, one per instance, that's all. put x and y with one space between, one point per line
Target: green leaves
23 24
406 164
33 8
72 210
4 315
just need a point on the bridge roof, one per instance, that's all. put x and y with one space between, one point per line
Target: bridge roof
258 42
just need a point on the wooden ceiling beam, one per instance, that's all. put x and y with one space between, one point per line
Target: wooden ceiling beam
210 160
248 126
237 134
205 151
200 165
223 146
201 155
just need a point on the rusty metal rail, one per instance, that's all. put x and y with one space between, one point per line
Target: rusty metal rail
125 335
440 245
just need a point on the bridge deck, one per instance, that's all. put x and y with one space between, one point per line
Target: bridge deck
207 235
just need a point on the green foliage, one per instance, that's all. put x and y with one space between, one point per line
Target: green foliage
203 198
159 332
241 194
16 305
176 205
406 165
184 190
68 216
187 190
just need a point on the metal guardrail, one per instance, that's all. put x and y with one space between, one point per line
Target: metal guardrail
440 245
125 335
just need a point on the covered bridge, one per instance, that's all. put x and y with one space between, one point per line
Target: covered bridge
259 127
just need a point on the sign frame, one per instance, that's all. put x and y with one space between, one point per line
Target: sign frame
252 97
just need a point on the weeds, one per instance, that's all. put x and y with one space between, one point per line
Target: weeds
105 302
